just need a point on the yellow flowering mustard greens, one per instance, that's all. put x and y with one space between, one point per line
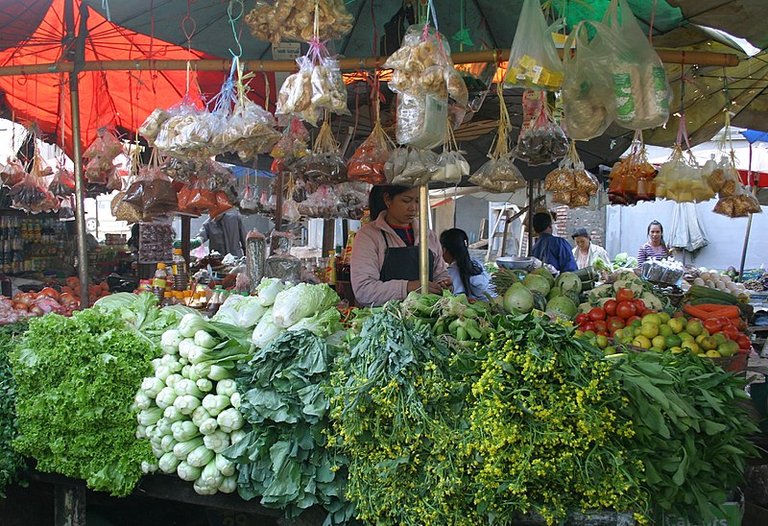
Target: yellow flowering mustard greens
544 418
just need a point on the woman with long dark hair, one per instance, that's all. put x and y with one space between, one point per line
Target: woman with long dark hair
655 247
467 274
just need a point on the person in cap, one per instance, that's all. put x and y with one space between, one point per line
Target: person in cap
550 249
585 252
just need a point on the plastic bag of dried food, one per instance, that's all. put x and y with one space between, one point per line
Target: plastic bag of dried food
367 163
63 182
640 89
410 167
125 211
223 203
188 132
153 193
421 120
320 204
104 145
352 200
499 174
324 165
630 173
151 126
31 195
741 204
451 164
570 183
533 59
251 129
293 144
295 20
420 64
196 197
541 140
681 179
12 173
587 97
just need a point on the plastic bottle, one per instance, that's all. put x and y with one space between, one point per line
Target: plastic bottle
179 270
331 270
160 281
216 300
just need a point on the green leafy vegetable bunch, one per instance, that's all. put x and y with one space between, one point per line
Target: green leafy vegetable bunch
76 379
10 461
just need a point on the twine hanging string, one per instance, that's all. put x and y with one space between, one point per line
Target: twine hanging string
500 145
188 27
235 10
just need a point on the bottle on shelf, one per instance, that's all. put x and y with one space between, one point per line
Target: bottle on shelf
331 270
179 270
160 281
215 302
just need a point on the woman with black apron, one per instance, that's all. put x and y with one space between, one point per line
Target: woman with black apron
385 256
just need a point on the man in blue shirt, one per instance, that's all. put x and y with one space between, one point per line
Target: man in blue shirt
550 249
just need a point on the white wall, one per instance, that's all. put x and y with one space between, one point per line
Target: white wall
626 232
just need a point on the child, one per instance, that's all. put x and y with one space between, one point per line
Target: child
467 274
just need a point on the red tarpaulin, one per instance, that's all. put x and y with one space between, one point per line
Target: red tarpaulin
118 99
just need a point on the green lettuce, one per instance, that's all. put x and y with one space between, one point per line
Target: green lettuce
10 461
76 380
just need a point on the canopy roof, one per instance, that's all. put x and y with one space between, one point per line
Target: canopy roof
37 31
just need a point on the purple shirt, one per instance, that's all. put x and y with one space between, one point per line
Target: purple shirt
648 251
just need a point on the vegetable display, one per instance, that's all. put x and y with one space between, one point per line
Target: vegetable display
10 461
283 456
76 378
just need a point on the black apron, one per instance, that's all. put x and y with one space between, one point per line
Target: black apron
403 263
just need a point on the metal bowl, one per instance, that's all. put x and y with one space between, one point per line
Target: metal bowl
515 263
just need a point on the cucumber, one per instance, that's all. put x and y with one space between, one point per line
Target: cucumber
697 291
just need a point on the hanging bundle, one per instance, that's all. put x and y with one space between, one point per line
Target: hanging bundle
500 174
325 165
292 20
367 163
570 183
541 140
100 168
31 193
63 182
451 164
152 192
734 199
633 177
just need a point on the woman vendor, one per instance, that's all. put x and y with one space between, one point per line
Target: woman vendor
385 256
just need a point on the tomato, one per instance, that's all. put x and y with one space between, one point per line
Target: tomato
678 314
632 319
744 341
730 332
51 293
626 309
639 306
589 326
615 323
610 307
713 325
625 295
601 326
581 319
596 314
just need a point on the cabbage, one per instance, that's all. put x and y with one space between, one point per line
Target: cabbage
302 301
322 324
265 331
241 311
268 289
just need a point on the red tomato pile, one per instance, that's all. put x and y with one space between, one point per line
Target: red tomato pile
615 314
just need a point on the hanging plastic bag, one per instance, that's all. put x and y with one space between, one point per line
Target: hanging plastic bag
63 182
152 192
125 211
292 145
152 125
222 205
641 90
541 140
586 93
104 145
352 200
533 59
451 164
31 193
499 174
296 20
250 200
367 163
627 174
324 165
252 130
319 204
570 183
734 199
12 173
410 167
188 132
196 197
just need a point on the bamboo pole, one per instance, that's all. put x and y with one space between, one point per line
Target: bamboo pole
672 56
424 238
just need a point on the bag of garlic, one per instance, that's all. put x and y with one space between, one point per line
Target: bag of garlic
586 92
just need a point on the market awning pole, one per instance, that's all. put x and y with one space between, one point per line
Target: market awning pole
529 217
749 220
78 52
424 238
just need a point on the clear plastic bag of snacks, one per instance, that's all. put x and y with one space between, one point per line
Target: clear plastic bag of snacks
251 130
104 145
316 87
250 200
273 21
31 193
293 144
152 192
367 163
125 211
421 120
410 167
533 59
499 174
63 182
632 174
188 132
352 200
451 164
12 173
320 204
324 165
570 183
152 125
587 98
541 140
741 204
196 197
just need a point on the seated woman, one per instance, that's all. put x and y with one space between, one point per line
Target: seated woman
385 257
467 275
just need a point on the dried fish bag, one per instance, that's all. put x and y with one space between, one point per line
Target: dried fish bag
541 140
325 164
499 175
411 167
